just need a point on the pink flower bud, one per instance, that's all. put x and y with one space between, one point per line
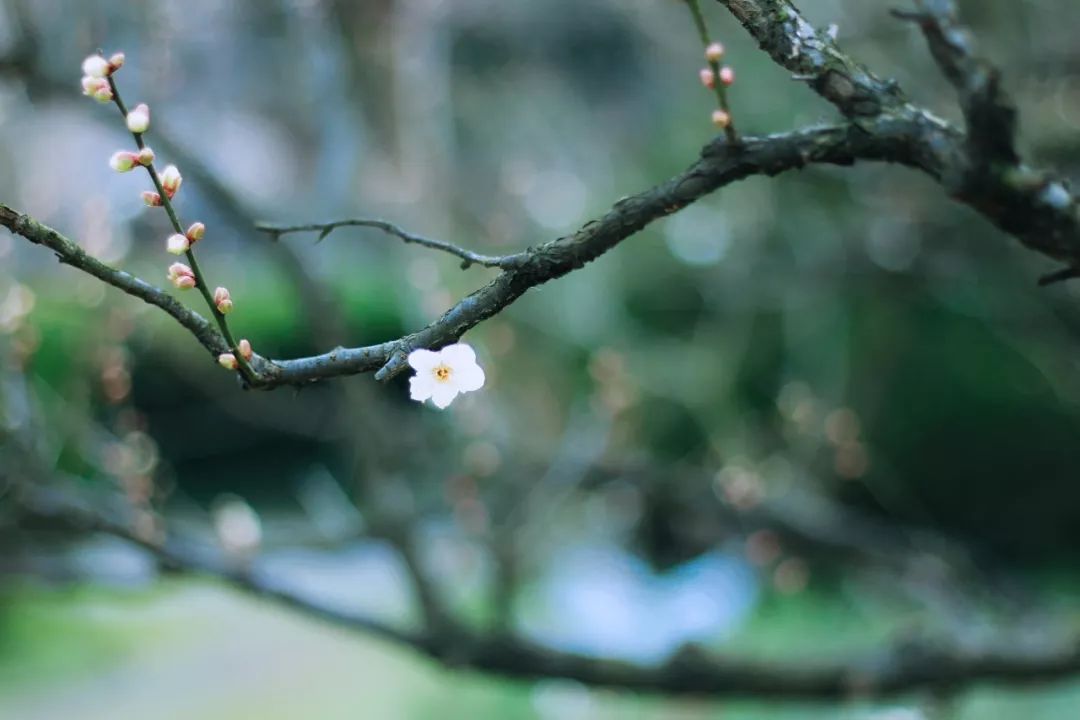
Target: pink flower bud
145 157
177 244
97 88
227 361
123 161
714 52
95 66
170 180
181 275
223 300
138 120
721 119
727 75
116 61
708 77
152 199
245 349
196 232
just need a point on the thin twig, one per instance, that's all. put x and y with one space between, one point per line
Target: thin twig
718 86
468 257
243 366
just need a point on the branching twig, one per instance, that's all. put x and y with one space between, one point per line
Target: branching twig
200 280
468 257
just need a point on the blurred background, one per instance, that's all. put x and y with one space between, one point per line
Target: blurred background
805 418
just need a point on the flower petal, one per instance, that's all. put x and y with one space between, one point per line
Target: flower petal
421 387
458 355
469 377
423 360
443 394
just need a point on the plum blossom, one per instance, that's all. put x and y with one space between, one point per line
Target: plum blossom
442 375
97 88
138 120
223 300
177 244
123 161
170 180
181 276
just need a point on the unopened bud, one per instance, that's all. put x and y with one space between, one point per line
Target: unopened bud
245 349
95 66
177 244
138 120
727 75
714 52
146 157
708 77
123 161
227 361
116 61
97 88
181 275
721 119
223 301
170 180
151 198
196 232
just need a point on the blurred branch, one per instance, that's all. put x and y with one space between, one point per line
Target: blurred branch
324 229
904 668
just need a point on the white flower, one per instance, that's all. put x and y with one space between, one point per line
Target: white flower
138 120
177 244
95 66
123 161
442 375
170 180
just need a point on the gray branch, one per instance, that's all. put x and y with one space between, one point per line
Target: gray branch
468 257
978 168
903 668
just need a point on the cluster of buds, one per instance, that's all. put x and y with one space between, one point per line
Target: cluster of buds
713 74
181 276
97 83
96 72
123 160
228 360
223 300
179 244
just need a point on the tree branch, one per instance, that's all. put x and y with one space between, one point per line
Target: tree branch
794 44
71 254
982 168
1029 204
904 668
468 257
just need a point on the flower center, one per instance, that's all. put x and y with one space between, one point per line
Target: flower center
442 373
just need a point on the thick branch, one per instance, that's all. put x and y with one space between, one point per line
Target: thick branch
902 141
1033 205
814 56
988 113
691 672
468 257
